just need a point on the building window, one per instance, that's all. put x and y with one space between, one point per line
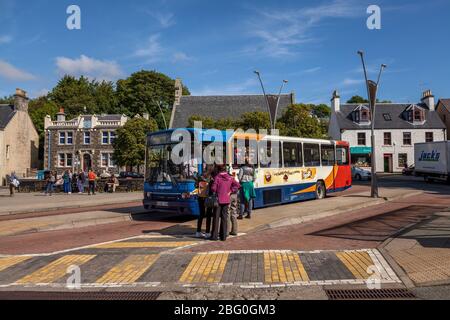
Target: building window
418 115
402 160
406 138
8 150
108 137
387 139
429 137
65 160
66 137
87 137
361 138
107 160
364 115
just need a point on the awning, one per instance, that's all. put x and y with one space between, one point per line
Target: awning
361 150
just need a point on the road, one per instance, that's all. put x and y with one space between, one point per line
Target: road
337 249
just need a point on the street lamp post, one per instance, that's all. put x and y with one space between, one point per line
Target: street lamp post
372 88
265 96
278 102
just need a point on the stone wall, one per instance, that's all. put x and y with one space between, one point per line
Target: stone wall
125 185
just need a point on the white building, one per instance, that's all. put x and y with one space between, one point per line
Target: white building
398 126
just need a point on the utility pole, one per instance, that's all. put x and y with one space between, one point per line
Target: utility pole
372 88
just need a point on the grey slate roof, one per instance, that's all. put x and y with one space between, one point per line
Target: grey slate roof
395 110
445 103
220 107
7 112
108 117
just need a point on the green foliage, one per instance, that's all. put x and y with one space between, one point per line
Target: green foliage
129 146
143 91
321 111
298 121
7 100
254 120
357 99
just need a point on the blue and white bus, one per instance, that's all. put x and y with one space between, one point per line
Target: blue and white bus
307 169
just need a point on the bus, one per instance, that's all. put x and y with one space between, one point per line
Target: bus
307 168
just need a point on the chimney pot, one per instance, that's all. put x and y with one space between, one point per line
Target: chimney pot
428 99
335 101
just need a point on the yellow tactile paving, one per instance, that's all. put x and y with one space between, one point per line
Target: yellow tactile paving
55 270
129 270
356 262
144 244
7 262
283 267
205 268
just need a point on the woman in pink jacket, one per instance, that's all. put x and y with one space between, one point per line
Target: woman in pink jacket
223 185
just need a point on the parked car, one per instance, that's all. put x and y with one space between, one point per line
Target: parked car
360 174
408 171
131 175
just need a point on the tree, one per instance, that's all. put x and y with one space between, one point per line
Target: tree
7 100
254 120
321 111
297 121
357 99
130 143
144 91
38 109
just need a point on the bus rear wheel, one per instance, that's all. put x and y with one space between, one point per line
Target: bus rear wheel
321 191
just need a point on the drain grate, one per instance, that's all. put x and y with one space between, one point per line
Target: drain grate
369 294
35 295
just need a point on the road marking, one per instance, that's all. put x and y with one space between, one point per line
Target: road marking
151 244
207 268
129 270
283 267
7 262
356 262
55 270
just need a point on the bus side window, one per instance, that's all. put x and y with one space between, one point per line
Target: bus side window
342 155
312 154
291 154
327 155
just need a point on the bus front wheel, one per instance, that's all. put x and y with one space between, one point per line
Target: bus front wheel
321 191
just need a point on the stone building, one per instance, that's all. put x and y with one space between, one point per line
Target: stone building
398 126
19 140
219 107
82 143
443 109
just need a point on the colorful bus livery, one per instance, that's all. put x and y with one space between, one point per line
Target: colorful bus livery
307 169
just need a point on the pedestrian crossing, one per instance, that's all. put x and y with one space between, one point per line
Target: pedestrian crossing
160 261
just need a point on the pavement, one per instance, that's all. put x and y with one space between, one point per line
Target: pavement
39 202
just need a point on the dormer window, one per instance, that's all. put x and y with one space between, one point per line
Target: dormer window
415 114
361 114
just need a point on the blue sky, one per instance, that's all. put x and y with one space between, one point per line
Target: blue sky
215 46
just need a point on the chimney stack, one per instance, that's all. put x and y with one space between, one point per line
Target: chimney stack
178 91
335 102
21 100
428 99
61 116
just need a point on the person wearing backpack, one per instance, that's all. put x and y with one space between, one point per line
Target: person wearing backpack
223 186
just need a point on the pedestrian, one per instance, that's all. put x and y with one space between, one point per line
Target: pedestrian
112 184
50 183
203 185
13 182
246 177
92 177
67 182
223 186
81 180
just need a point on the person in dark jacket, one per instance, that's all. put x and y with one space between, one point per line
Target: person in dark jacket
223 186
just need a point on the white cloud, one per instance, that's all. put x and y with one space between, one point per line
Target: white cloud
281 32
5 39
166 20
312 70
40 93
89 67
10 72
352 82
181 57
152 51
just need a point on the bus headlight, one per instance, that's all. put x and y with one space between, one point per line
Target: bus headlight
148 194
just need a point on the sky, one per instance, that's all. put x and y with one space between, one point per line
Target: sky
215 46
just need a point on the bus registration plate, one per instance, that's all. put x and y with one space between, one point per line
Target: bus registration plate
162 204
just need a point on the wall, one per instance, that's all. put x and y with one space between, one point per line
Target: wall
20 134
443 112
417 136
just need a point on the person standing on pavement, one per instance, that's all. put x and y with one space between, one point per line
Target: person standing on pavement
81 180
233 210
203 185
224 185
92 177
246 177
67 182
50 185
